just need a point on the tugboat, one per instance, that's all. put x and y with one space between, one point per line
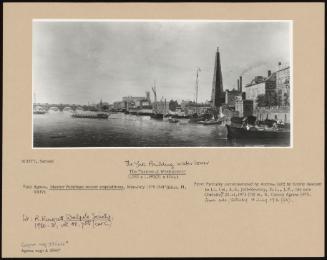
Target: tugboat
250 129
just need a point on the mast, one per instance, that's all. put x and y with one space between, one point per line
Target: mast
197 89
155 95
166 106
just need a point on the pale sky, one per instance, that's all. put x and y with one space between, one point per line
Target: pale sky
82 61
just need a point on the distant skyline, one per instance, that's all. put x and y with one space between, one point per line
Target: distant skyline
85 61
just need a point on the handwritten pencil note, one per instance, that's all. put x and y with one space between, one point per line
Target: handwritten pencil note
77 221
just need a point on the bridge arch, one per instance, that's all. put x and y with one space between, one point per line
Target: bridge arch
67 109
53 109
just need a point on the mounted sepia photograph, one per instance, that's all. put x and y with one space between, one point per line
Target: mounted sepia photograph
163 130
162 83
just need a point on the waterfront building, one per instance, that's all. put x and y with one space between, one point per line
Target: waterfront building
185 103
133 102
262 86
190 107
283 86
196 109
229 112
137 102
217 94
281 114
173 104
118 105
100 106
161 106
231 96
244 107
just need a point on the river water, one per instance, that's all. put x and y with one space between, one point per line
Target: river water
59 129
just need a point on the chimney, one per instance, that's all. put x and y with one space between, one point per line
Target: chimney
279 65
147 93
240 83
269 73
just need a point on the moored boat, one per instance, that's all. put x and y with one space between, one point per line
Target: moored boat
196 120
158 116
91 115
173 120
39 112
254 132
211 122
180 116
199 119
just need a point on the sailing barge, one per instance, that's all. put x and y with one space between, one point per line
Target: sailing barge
156 114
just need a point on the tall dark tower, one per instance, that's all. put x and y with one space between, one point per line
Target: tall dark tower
217 97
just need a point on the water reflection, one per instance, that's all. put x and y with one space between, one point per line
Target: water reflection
59 129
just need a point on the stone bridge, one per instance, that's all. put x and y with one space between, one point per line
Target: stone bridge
60 107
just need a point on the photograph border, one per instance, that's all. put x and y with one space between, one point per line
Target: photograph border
290 146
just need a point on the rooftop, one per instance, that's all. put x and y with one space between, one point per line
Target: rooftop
285 68
261 79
